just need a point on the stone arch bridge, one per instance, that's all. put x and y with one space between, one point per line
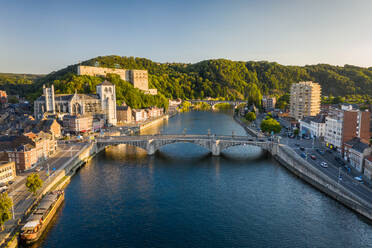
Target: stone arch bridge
214 102
215 144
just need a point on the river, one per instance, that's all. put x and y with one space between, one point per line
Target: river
184 197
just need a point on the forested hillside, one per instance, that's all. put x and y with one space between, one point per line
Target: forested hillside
18 84
210 78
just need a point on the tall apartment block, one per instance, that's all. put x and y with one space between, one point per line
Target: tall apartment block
305 99
345 123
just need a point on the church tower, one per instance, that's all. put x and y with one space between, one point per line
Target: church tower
49 99
107 94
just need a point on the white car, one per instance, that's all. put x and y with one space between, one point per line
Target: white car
324 164
359 179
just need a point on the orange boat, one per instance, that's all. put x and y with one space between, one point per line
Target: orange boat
41 217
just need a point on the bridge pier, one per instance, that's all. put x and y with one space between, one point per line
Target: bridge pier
150 148
216 150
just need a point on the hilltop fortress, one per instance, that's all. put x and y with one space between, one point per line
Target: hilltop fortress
139 78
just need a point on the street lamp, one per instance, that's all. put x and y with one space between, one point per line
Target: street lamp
11 197
339 175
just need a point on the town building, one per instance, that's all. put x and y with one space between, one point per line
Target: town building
49 126
345 123
355 152
7 172
78 123
154 112
3 97
139 115
98 124
28 149
78 104
368 167
138 78
268 102
124 114
313 126
305 99
173 105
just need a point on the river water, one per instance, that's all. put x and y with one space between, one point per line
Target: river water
184 197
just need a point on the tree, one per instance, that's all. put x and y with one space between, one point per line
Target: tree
296 132
5 209
250 116
270 125
33 183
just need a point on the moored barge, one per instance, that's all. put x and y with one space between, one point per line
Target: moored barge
41 217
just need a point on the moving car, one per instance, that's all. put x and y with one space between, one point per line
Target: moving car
303 155
313 157
302 148
324 164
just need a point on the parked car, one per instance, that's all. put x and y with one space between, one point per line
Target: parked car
3 189
313 157
321 152
324 164
359 179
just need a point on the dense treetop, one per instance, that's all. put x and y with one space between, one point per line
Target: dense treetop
211 78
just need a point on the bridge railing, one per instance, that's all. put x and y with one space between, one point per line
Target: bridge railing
184 136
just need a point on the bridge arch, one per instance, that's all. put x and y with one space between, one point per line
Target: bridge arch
157 144
214 144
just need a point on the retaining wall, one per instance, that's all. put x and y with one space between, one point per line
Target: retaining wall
301 168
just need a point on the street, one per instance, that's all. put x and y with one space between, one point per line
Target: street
20 195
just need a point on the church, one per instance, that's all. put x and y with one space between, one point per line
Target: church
104 103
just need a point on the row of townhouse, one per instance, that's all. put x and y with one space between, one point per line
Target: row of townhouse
344 129
28 149
127 115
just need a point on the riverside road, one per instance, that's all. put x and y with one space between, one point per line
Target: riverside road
22 198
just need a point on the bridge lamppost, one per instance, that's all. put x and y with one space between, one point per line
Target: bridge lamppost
209 132
184 131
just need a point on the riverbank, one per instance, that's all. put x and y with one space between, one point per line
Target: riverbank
302 169
58 180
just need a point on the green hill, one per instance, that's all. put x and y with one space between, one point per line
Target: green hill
209 78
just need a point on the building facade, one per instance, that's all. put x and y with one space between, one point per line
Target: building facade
138 78
313 126
7 171
268 102
368 167
104 102
355 153
345 123
3 97
78 123
305 99
124 114
28 149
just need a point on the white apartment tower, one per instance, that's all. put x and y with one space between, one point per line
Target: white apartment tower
106 91
305 99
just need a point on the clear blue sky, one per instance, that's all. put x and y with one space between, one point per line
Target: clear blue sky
41 36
